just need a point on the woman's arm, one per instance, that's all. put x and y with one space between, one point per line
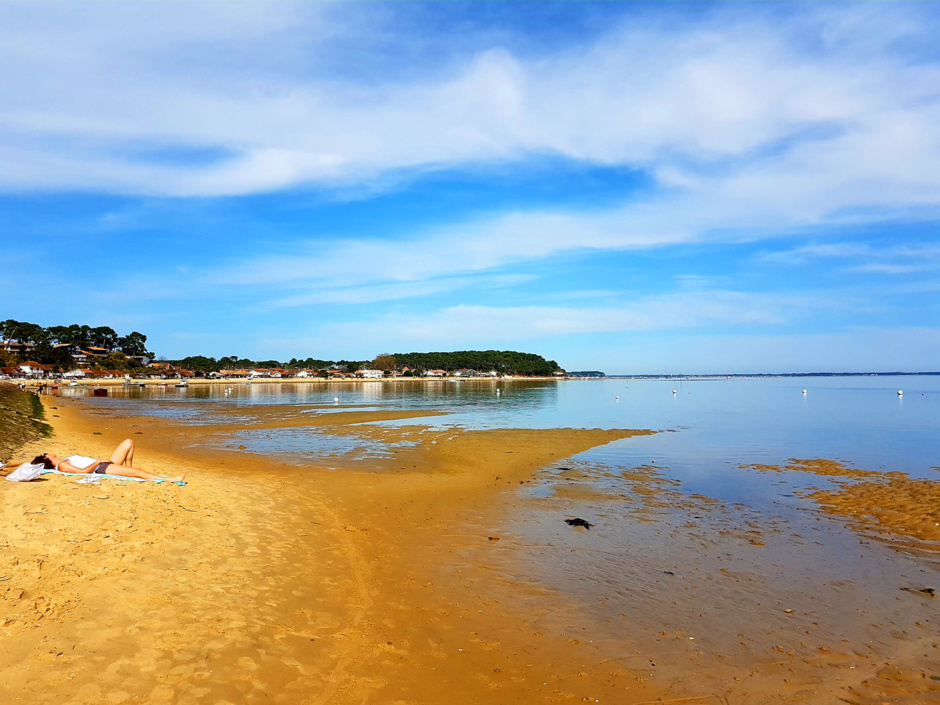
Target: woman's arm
66 466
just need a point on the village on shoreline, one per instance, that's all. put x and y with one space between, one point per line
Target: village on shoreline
31 371
117 378
37 355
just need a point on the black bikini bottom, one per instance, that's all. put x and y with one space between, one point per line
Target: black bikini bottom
102 468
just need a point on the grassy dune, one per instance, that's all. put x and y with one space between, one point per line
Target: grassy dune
21 420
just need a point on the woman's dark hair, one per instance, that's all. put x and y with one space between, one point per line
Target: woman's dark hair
44 460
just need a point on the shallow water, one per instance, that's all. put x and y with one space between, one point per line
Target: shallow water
691 554
719 423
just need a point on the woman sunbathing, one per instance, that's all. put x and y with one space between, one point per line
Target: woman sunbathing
120 463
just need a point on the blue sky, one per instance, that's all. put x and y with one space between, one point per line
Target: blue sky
659 187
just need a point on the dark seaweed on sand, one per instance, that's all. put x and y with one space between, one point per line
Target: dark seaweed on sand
21 415
577 521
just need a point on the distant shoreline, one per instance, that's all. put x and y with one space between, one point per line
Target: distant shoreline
772 374
172 382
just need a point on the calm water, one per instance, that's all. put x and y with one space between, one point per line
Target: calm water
683 567
718 424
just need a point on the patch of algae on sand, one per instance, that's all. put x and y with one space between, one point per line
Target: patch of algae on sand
816 466
21 415
888 503
895 505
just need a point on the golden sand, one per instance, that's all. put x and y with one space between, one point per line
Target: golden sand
889 503
816 466
292 586
264 582
894 507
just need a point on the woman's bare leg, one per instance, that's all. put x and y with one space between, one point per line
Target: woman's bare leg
124 471
123 454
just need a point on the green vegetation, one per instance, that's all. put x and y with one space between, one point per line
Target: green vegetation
502 361
482 361
21 415
120 349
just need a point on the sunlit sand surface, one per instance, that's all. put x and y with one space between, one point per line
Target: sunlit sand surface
442 570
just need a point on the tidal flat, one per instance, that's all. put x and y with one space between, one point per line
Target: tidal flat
443 569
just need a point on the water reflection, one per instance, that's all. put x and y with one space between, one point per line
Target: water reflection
720 424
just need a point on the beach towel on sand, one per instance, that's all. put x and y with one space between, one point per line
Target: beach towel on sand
93 478
26 472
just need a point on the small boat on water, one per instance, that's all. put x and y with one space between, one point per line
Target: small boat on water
184 383
73 383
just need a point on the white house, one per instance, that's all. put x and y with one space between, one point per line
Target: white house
370 374
35 370
17 347
231 374
435 373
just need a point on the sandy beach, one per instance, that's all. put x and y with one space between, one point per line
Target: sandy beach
401 582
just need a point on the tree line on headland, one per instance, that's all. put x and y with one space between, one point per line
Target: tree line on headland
50 346
502 361
409 364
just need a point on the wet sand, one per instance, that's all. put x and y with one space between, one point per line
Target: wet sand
409 580
898 508
753 605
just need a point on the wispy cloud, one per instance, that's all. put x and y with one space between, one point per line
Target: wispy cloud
748 132
887 268
499 325
904 258
747 122
393 292
475 246
737 91
798 255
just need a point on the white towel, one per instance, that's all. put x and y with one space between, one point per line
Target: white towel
26 472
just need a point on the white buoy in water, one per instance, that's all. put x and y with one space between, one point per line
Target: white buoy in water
617 398
900 392
335 400
804 391
673 391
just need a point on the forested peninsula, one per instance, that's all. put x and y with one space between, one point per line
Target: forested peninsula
502 361
66 348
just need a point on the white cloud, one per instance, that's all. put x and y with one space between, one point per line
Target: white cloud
392 292
494 325
751 124
888 268
475 246
747 132
97 86
894 259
